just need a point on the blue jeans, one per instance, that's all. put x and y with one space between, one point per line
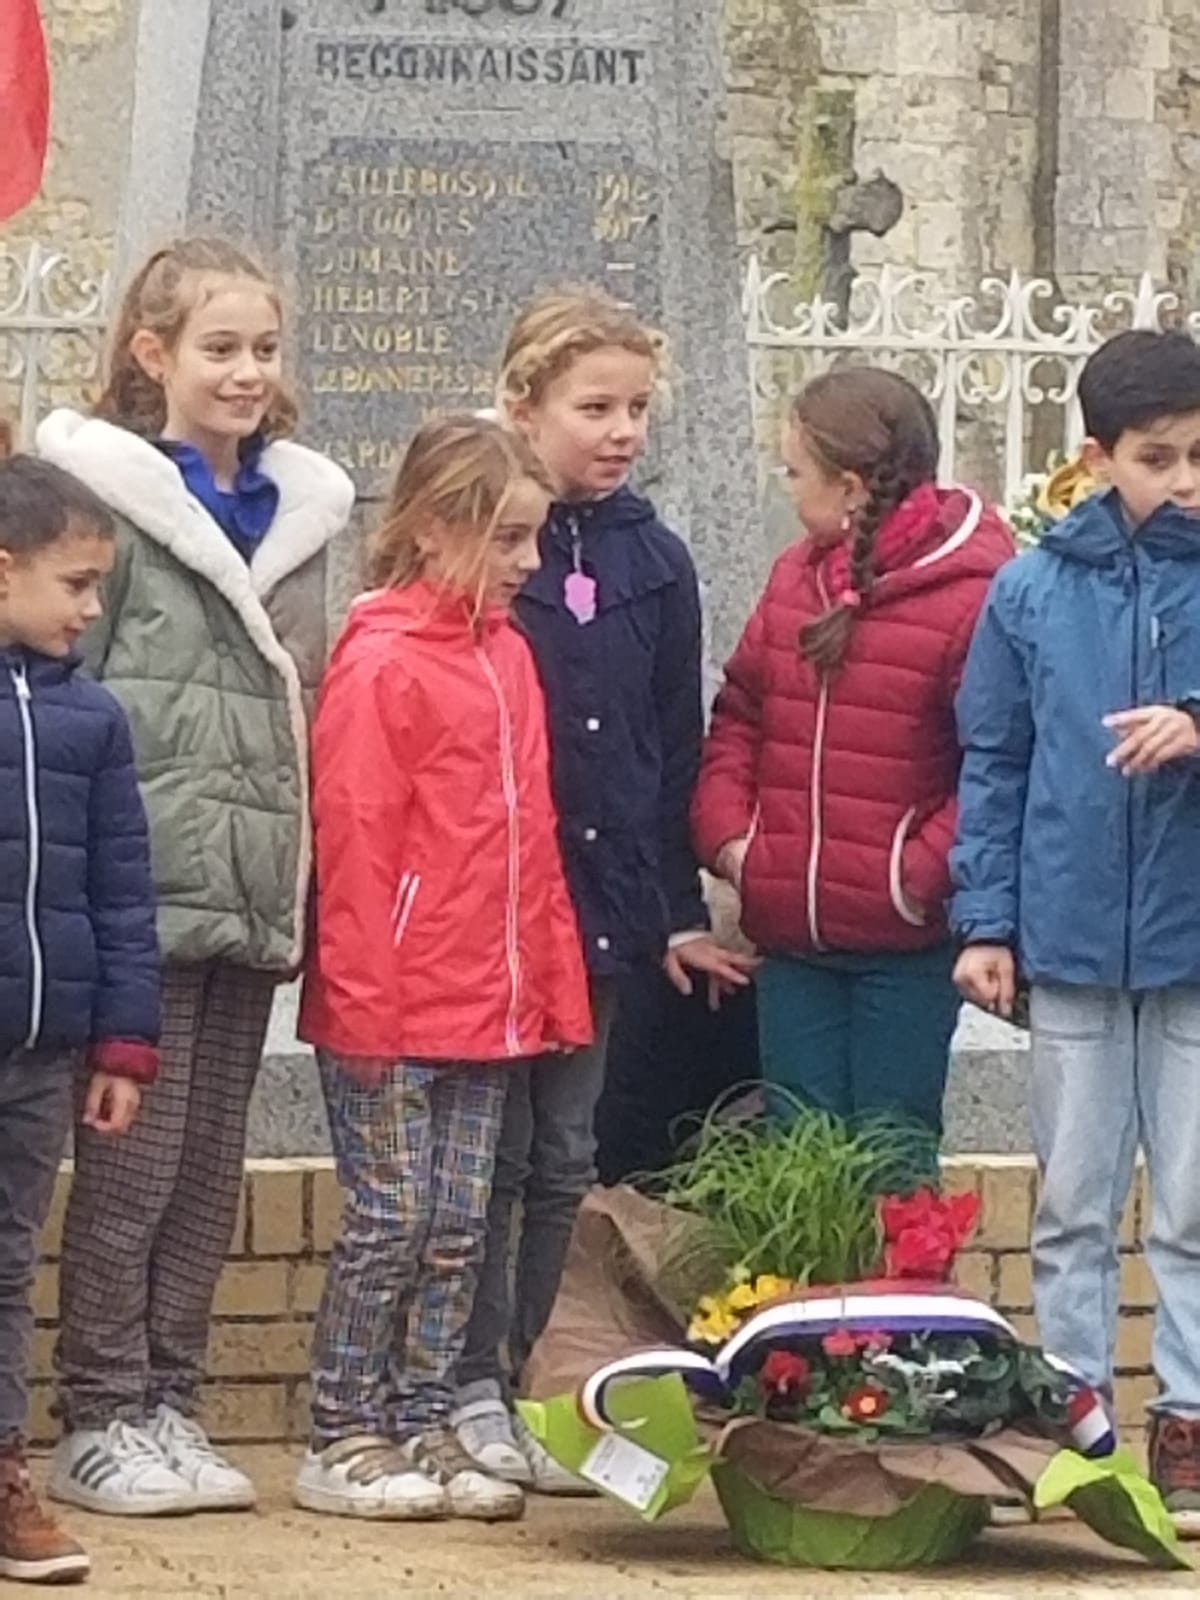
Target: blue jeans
1112 1068
854 1033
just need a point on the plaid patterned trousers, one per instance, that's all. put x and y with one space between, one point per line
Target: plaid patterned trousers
151 1214
415 1156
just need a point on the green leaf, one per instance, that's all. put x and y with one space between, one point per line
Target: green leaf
1116 1500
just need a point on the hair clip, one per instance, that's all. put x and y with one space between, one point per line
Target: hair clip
850 598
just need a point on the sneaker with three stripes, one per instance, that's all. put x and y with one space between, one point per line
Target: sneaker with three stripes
120 1471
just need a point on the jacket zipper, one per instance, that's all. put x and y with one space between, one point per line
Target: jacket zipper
814 797
1134 699
38 982
509 784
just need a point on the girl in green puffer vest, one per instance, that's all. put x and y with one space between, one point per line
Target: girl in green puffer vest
213 638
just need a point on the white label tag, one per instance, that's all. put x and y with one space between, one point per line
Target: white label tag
625 1470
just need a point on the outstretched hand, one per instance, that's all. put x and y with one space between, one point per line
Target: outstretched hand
1150 736
726 970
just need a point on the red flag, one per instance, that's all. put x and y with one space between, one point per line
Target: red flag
24 104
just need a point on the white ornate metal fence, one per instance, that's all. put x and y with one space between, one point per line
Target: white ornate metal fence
999 366
52 320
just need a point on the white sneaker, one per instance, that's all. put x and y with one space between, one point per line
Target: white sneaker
120 1471
368 1476
548 1476
216 1484
484 1427
1009 1511
470 1492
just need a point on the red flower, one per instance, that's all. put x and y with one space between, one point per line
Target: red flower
865 1403
897 1212
924 1231
924 1252
962 1212
841 1342
876 1340
785 1375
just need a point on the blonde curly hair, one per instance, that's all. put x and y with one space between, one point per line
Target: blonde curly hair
558 327
161 297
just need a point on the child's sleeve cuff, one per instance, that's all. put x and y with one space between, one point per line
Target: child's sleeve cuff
125 1058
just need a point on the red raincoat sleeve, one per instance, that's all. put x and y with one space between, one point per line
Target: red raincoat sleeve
727 793
364 745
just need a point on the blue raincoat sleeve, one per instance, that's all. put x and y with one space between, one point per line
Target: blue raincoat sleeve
995 728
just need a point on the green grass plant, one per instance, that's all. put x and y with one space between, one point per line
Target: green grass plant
793 1192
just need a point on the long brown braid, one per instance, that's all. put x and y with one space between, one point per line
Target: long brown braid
877 425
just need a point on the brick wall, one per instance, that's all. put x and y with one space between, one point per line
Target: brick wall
258 1356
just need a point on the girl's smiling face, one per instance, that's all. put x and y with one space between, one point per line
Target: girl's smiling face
223 371
589 425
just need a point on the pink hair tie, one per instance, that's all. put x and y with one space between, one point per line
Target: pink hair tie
850 598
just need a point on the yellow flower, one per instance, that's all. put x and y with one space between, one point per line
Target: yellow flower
1065 488
742 1297
713 1321
714 1328
767 1286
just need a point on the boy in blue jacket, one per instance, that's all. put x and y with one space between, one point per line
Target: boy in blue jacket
1078 867
79 979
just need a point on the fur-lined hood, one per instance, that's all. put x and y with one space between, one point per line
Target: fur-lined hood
140 483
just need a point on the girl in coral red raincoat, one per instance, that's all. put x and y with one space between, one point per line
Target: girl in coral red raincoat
827 788
446 949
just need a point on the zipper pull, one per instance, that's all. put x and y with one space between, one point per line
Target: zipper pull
576 543
21 683
1155 633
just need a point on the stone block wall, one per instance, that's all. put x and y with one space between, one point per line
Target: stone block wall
268 1296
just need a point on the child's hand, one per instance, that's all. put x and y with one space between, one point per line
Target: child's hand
986 974
727 970
112 1103
730 860
1151 736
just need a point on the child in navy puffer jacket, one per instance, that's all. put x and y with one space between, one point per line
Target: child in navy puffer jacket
78 950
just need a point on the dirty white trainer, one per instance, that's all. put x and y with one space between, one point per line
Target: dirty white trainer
216 1484
470 1492
120 1471
368 1476
548 1476
485 1430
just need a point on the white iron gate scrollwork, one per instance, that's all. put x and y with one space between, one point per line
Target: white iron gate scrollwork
988 362
52 321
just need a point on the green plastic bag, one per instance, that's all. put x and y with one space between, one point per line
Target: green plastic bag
652 1461
935 1526
1116 1500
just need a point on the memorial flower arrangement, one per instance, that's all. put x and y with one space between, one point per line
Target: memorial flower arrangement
777 1312
1046 497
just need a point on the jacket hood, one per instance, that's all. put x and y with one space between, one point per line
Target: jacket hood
936 536
143 485
422 609
1097 533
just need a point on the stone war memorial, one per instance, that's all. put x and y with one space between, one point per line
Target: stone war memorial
420 168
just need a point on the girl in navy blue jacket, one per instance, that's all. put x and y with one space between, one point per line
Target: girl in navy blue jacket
614 619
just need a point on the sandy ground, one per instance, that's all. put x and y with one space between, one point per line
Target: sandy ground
576 1550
